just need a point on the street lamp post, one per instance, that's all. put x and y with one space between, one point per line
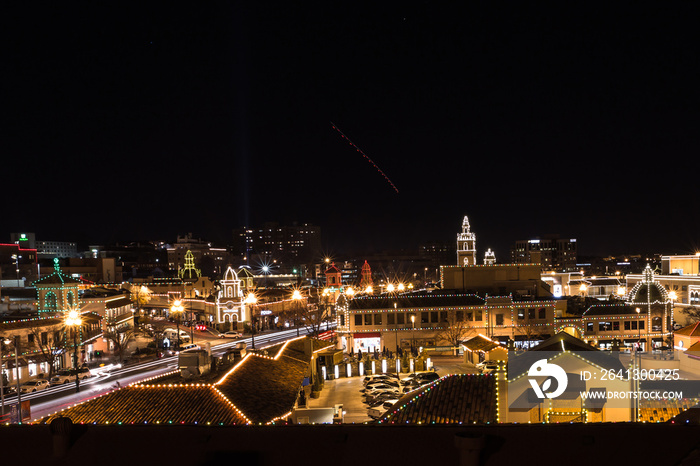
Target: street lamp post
74 322
251 300
639 361
296 296
19 391
177 309
5 341
413 338
639 331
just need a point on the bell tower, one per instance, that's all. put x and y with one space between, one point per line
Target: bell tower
466 245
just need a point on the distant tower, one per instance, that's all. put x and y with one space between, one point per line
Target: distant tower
189 272
334 277
489 257
365 276
466 245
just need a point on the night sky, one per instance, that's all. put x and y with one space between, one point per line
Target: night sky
145 122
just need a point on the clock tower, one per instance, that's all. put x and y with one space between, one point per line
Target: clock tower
466 245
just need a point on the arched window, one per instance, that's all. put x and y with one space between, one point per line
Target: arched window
50 300
69 298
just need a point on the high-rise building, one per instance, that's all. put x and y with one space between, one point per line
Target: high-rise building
552 252
290 244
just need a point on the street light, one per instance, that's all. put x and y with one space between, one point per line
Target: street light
296 297
639 331
5 341
74 321
673 297
251 300
16 259
177 308
413 337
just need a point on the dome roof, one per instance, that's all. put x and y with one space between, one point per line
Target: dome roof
245 272
648 290
230 274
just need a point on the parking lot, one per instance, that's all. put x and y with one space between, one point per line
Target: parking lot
346 391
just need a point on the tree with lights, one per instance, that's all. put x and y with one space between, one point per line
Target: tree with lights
140 295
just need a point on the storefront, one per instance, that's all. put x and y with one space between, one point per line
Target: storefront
367 342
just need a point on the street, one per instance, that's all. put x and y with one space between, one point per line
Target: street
57 398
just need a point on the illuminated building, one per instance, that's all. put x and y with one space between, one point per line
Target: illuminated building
201 252
552 252
16 264
291 245
466 245
680 277
398 321
645 314
230 309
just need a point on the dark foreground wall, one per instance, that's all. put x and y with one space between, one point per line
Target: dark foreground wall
543 445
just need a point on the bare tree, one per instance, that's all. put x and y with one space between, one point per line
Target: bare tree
529 329
50 342
120 339
456 331
693 313
313 316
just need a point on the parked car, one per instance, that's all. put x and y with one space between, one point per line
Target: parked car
428 376
377 386
381 398
201 327
393 383
487 367
372 378
62 376
372 395
231 334
377 411
35 385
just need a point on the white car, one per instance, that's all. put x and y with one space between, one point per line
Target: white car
231 334
34 385
68 375
487 367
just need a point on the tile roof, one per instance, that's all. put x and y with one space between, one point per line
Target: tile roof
453 399
260 389
480 343
692 330
144 404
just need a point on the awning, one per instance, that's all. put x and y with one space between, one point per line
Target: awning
367 335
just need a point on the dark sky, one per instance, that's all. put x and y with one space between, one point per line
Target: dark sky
130 122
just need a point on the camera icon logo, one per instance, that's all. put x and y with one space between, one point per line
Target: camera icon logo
542 368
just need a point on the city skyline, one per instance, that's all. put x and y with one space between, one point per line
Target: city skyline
152 123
